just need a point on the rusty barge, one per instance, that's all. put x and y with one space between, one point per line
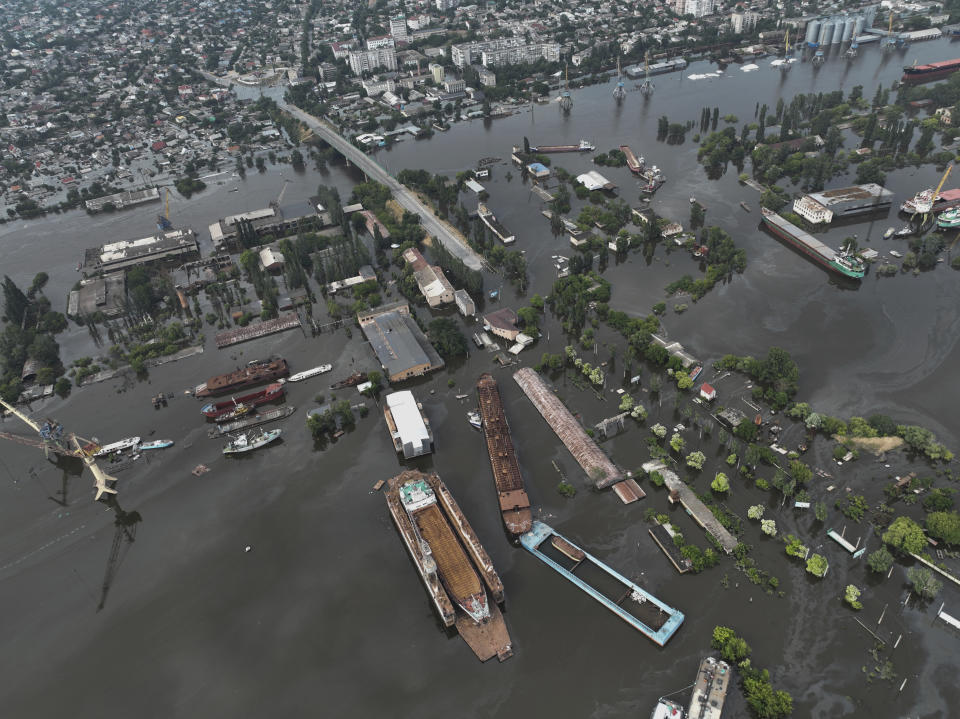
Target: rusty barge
514 502
455 568
636 165
256 372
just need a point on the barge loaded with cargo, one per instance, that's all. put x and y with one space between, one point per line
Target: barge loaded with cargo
237 407
844 264
582 146
637 607
256 372
511 493
635 165
455 568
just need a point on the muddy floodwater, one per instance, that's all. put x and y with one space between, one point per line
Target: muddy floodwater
155 607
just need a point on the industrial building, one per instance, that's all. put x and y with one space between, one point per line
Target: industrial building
824 206
593 180
408 425
127 198
226 233
127 253
402 349
106 294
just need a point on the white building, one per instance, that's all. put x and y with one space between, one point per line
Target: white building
465 303
453 85
444 5
811 210
408 425
377 87
368 60
505 51
697 8
380 41
398 27
743 20
437 71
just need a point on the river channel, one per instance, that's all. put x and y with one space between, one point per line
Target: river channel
325 615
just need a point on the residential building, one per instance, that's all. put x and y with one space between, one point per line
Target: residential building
707 392
742 20
379 41
444 5
368 60
437 71
697 8
433 284
398 27
487 77
377 87
454 85
502 323
504 51
418 22
401 348
465 303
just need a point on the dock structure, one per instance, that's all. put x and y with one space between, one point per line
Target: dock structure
541 193
636 166
695 508
601 471
709 690
490 220
643 611
511 493
845 544
663 536
255 331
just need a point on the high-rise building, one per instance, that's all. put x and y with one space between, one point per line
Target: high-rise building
368 60
505 51
444 5
398 27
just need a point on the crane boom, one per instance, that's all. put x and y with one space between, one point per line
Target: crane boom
14 411
943 179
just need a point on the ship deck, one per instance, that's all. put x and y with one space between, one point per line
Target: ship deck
453 565
644 612
805 238
489 639
710 690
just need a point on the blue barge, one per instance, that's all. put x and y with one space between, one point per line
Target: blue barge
666 619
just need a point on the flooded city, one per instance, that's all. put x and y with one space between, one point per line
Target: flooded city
277 581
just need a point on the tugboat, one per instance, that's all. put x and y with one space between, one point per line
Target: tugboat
120 446
250 441
351 381
949 219
667 709
904 232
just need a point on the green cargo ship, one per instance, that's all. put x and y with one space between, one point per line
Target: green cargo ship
840 262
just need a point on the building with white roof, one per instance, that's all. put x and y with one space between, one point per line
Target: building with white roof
408 425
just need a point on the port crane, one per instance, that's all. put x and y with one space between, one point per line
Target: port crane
618 92
163 221
51 438
646 87
566 101
787 55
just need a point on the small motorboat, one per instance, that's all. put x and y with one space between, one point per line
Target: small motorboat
473 417
889 233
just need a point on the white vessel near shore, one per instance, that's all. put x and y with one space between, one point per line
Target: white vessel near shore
307 374
119 446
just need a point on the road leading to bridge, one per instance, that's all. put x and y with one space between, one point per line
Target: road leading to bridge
404 197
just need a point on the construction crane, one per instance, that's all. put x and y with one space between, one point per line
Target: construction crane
566 101
163 221
275 204
51 438
618 92
888 40
646 87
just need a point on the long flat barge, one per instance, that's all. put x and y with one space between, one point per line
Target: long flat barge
450 560
843 264
491 221
582 146
511 493
254 420
636 166
237 406
644 612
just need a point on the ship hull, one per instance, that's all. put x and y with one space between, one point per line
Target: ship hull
242 378
809 253
912 77
220 410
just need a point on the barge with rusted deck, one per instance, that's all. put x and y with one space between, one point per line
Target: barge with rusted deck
637 607
514 502
455 568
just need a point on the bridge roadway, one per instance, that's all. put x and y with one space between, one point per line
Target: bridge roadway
404 197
